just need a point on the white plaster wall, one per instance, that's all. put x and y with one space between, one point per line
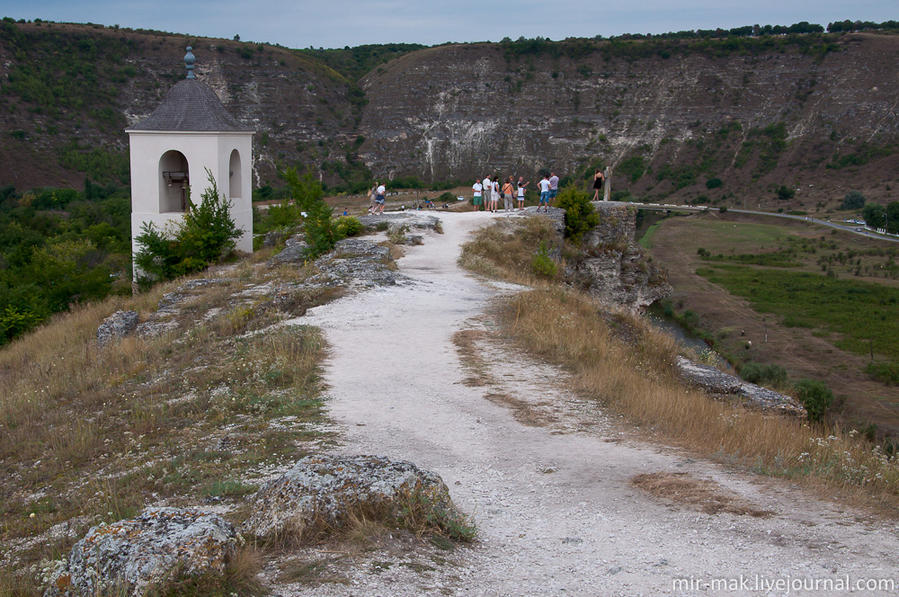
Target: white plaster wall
203 150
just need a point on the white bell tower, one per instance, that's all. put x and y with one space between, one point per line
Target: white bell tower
187 134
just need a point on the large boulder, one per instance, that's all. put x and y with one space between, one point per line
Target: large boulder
116 326
327 490
135 553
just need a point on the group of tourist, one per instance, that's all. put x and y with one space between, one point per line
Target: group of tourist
488 192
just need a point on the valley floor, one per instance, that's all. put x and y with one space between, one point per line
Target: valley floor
415 373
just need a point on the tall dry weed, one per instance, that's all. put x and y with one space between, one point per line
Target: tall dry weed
637 380
622 361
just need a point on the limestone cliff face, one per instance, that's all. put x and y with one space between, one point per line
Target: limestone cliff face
466 110
612 267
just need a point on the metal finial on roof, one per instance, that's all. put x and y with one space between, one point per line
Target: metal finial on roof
189 60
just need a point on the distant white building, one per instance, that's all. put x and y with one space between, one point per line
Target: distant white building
187 134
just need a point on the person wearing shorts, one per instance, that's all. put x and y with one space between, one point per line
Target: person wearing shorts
477 188
553 186
544 195
380 194
521 187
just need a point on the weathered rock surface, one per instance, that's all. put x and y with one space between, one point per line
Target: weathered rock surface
169 306
356 263
411 219
294 252
613 268
137 552
717 382
118 325
326 489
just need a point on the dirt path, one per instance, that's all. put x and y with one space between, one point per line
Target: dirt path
547 477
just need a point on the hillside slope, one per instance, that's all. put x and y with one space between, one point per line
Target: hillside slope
817 113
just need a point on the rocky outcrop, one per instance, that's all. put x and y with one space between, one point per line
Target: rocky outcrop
394 221
116 326
718 383
612 267
326 490
355 263
135 553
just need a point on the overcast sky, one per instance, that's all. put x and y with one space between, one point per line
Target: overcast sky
338 23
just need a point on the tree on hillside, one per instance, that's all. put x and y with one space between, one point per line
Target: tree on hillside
320 231
873 214
853 200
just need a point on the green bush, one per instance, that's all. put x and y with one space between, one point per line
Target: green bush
542 264
633 167
815 396
785 192
579 214
205 235
320 230
853 200
348 226
884 372
713 183
761 373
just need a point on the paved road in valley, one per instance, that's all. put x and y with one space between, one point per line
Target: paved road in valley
853 228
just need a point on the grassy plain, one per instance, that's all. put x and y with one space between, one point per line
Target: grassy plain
815 302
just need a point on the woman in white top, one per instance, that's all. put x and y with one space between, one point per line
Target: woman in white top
494 194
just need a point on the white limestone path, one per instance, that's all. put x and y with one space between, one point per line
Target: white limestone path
554 506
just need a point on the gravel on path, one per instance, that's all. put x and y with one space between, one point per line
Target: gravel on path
554 504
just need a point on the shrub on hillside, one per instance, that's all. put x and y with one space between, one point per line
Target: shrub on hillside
884 372
320 230
542 264
348 226
763 373
579 214
205 235
853 200
815 396
785 192
713 183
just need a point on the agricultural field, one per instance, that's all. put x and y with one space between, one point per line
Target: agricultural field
821 304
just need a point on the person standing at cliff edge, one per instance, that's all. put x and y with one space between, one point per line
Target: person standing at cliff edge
488 188
507 195
477 188
521 189
598 179
553 186
544 194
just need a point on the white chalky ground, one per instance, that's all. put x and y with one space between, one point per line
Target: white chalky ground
555 510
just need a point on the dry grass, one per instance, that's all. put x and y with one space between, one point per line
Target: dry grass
90 434
416 511
636 377
702 494
505 249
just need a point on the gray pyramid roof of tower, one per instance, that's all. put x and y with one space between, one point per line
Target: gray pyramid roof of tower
190 106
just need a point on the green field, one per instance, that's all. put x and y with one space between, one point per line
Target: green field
865 315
